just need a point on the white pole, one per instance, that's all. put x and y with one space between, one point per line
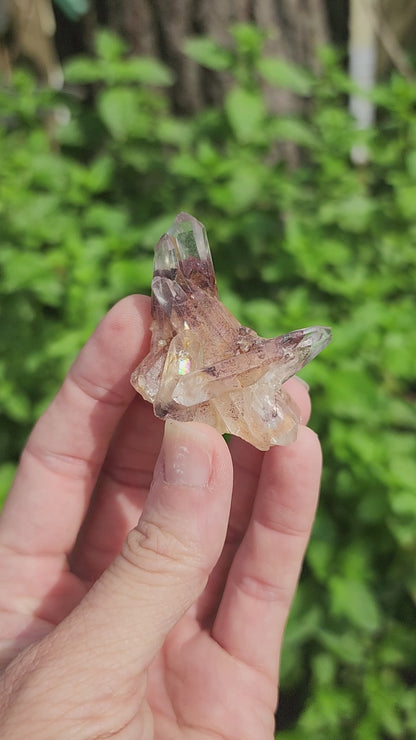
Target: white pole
362 66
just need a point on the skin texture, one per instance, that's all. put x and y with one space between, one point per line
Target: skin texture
146 578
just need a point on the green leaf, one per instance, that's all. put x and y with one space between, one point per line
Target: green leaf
293 129
99 175
174 131
411 163
281 73
14 404
64 345
344 645
319 557
208 53
139 70
244 187
406 200
403 470
128 276
249 37
353 213
119 109
108 46
33 271
245 111
324 668
355 601
83 71
147 71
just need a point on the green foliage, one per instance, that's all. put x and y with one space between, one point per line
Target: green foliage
284 74
208 53
86 189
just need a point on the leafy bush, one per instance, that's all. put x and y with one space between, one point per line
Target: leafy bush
86 189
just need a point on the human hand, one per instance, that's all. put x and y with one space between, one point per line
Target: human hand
168 629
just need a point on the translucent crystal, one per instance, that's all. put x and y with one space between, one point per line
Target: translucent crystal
203 365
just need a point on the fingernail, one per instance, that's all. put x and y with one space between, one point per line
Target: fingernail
185 462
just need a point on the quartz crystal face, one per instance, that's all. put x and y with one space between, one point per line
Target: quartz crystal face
203 365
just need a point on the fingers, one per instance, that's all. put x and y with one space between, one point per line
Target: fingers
263 577
127 473
120 492
65 451
247 466
113 635
299 392
248 461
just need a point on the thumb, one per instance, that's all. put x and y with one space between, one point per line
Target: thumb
166 560
163 567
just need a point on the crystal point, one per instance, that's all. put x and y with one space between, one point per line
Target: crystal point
203 365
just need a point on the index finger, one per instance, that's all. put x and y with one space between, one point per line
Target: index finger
63 456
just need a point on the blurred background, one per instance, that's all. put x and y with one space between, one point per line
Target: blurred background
288 127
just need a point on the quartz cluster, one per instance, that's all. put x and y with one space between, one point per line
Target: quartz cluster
203 365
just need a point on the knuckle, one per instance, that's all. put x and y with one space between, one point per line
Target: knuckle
266 591
95 392
152 548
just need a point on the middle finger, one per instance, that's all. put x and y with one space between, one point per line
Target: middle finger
247 462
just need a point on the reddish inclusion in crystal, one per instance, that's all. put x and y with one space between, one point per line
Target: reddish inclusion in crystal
203 365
